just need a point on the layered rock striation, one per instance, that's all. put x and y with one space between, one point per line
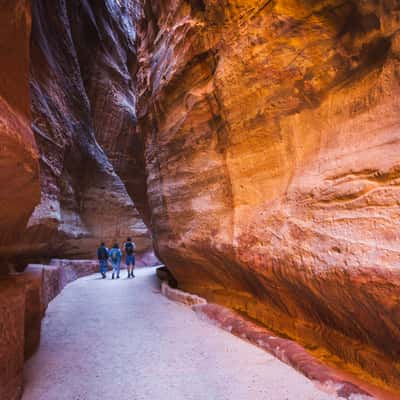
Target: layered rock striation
258 140
83 200
271 135
51 116
19 165
108 64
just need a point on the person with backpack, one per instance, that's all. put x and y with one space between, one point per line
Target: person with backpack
102 255
130 256
116 257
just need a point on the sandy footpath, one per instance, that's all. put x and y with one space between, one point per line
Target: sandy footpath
122 340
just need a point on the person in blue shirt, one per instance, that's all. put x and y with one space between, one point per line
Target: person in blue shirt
115 257
130 256
102 255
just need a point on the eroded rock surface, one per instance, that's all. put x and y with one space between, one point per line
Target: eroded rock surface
259 142
19 166
272 141
108 64
83 199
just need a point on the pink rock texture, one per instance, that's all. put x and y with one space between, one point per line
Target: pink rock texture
147 259
59 273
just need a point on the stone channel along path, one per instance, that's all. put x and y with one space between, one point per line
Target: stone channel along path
122 340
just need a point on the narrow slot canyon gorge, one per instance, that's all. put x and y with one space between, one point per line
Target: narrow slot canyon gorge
251 147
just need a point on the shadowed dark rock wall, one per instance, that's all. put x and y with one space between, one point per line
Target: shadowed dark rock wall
108 64
83 198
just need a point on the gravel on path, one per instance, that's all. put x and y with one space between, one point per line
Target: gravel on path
122 340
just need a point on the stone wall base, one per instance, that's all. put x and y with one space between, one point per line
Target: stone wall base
23 301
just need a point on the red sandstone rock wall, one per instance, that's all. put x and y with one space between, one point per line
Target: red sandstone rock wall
265 159
83 199
19 167
272 139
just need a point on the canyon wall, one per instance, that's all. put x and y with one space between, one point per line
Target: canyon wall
19 166
271 134
60 192
108 64
258 140
83 199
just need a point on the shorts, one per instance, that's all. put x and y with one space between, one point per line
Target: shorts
130 259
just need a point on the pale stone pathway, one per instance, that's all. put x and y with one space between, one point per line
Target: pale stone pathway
122 340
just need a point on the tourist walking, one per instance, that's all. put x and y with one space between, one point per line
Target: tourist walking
116 257
130 256
102 255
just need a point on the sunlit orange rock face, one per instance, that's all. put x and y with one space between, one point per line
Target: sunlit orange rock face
19 167
83 200
272 140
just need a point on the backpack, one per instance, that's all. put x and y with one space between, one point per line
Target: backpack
114 255
102 253
129 248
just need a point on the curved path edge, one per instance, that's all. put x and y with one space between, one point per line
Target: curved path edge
285 350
